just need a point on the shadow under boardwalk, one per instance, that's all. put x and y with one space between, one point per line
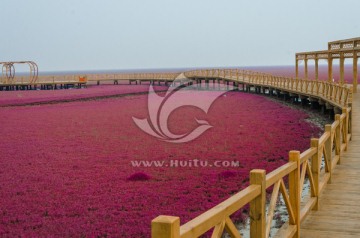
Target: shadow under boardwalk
339 213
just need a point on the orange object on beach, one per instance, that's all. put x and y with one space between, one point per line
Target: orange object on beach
82 79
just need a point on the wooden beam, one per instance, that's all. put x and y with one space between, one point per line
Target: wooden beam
345 40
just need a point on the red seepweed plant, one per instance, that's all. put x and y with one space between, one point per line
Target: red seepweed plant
66 169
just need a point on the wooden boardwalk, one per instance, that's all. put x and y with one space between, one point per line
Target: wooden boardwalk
339 212
317 163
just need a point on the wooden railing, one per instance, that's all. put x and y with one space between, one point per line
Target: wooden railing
49 79
316 164
134 76
43 79
335 94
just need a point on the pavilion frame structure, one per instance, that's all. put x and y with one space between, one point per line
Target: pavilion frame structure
8 71
341 49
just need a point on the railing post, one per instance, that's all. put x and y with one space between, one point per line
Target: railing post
346 129
337 138
294 189
315 170
350 120
257 206
165 227
328 149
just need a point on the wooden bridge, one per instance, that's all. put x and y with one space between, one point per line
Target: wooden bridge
22 82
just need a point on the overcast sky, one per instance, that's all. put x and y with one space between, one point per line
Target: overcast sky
138 34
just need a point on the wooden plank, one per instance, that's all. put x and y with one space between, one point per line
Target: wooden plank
308 233
336 210
330 223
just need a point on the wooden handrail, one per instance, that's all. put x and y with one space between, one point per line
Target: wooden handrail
307 154
214 216
279 173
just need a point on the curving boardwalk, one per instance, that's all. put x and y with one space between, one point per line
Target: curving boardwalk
308 215
339 210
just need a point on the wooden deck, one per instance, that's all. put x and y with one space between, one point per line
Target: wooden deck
339 212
